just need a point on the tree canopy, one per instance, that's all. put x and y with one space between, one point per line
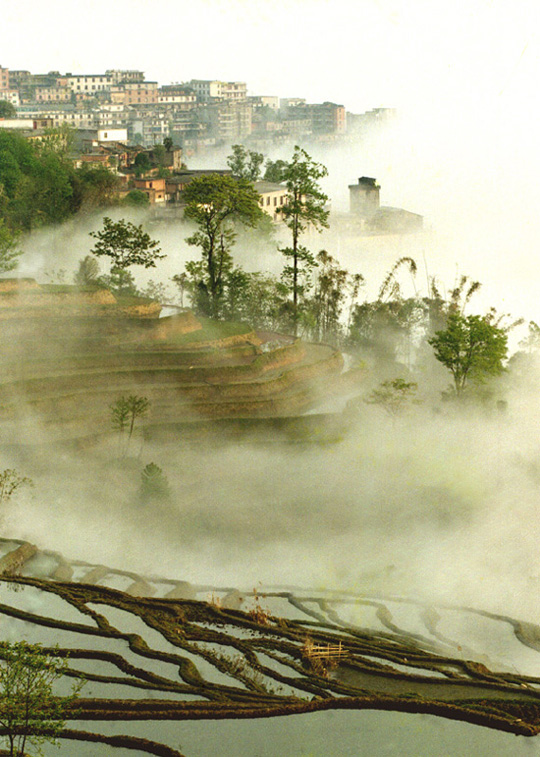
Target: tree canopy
126 244
215 203
471 347
245 164
305 207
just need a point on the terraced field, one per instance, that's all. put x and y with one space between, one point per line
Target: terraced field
165 652
67 360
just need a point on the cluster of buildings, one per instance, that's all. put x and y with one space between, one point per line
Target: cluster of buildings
197 114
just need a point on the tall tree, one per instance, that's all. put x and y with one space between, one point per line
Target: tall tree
305 208
216 203
7 109
9 249
126 244
245 164
274 171
30 713
328 298
471 347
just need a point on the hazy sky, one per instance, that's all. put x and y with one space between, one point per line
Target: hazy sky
362 53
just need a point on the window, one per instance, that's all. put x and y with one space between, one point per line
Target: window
268 201
275 201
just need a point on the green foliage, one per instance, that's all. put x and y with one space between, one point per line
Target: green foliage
275 171
9 250
305 207
154 484
87 273
393 396
36 184
126 244
142 163
471 347
215 203
30 712
168 144
245 164
124 412
7 109
98 187
137 199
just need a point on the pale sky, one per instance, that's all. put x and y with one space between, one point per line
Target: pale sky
361 53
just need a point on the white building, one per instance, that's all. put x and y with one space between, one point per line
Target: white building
90 83
208 90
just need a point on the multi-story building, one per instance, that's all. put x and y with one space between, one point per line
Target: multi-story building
4 79
119 76
135 93
182 98
210 90
89 84
11 95
328 118
227 121
273 197
52 94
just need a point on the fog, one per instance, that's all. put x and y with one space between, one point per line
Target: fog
440 505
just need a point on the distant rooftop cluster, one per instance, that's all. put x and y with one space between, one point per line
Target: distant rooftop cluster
197 114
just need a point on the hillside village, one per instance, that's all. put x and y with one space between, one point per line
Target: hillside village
120 105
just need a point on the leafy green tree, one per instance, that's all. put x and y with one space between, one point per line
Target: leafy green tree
305 208
245 164
7 109
124 412
393 396
98 187
216 203
384 328
30 712
126 244
87 273
142 163
168 144
329 296
471 347
154 484
137 199
36 185
9 249
275 171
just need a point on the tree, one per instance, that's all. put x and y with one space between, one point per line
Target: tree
168 144
216 203
328 298
142 163
7 109
154 484
126 244
88 272
124 413
245 164
305 207
137 199
10 482
30 713
471 347
275 171
9 250
393 396
98 187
